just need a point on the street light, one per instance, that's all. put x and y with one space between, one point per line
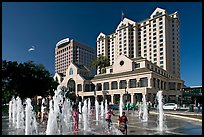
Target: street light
126 96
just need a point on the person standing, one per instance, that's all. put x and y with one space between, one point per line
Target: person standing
108 117
123 123
75 116
198 108
149 106
43 113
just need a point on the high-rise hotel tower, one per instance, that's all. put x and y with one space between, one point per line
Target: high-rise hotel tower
68 51
157 39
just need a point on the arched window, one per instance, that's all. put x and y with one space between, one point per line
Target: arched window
71 71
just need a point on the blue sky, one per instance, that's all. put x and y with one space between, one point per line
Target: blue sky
43 24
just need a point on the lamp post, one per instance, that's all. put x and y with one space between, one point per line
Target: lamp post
126 96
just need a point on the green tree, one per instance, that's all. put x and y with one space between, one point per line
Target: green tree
101 62
25 80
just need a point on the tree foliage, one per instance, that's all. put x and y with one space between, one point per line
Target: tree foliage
101 62
25 80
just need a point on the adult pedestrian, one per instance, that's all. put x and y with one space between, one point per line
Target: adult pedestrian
198 108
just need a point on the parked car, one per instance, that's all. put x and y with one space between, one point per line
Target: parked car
170 106
114 106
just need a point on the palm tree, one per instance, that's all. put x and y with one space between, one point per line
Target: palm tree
101 62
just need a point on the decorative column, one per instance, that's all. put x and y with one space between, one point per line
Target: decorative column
109 85
102 86
132 98
149 82
112 98
118 84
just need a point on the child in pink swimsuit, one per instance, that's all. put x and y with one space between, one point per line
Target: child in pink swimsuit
75 116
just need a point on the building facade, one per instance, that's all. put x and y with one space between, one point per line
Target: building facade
192 95
68 51
157 39
127 77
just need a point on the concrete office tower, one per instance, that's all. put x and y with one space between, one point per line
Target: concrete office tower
68 51
157 39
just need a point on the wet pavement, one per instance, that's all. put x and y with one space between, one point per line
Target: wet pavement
136 126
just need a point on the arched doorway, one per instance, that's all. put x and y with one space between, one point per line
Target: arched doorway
71 85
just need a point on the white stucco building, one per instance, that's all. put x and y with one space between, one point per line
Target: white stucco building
157 39
144 58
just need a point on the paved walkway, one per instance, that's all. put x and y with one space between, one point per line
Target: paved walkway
177 125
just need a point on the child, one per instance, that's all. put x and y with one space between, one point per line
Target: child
108 117
123 123
75 116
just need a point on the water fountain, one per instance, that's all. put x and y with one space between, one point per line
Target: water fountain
89 107
145 113
106 106
60 116
56 119
84 112
11 109
80 116
97 110
31 126
52 121
20 114
161 119
14 111
66 116
121 105
102 110
140 111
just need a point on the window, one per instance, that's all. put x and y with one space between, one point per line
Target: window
137 65
161 62
114 85
160 18
160 27
161 31
143 82
132 83
79 87
123 84
71 71
154 29
106 86
98 87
